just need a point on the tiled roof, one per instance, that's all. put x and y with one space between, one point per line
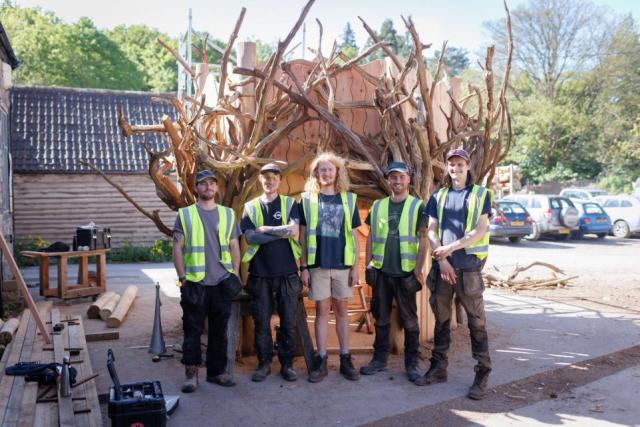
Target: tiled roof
53 128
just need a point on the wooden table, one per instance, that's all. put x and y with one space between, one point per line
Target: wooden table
66 290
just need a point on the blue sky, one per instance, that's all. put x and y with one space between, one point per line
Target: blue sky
459 21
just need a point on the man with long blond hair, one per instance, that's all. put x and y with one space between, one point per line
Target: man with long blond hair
329 262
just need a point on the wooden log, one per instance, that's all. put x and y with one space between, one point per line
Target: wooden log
93 312
109 306
102 336
8 330
121 310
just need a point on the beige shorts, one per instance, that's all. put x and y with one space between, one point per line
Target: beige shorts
327 283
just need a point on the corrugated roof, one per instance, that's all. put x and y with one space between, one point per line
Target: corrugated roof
52 128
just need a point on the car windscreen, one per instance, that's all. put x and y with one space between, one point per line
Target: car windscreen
592 209
596 193
511 208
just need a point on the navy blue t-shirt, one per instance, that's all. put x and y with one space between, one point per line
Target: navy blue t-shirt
454 220
330 232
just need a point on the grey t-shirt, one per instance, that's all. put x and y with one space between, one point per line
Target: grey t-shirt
391 264
214 272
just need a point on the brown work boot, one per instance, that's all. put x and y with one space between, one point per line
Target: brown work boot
478 390
437 373
347 369
261 372
319 370
191 381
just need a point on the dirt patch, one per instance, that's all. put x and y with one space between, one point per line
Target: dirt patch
554 384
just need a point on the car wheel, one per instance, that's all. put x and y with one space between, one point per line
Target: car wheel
515 239
621 229
577 234
535 232
601 235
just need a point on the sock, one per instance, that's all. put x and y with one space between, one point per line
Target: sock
322 353
344 351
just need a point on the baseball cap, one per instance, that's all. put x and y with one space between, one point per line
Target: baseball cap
202 175
398 167
271 167
458 152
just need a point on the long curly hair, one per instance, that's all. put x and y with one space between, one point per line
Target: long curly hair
342 182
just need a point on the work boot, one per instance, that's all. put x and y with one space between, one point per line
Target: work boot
478 390
373 367
413 373
437 373
288 373
261 372
319 370
346 368
191 381
224 379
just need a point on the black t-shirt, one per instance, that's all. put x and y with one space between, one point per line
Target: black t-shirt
330 232
274 258
391 264
454 221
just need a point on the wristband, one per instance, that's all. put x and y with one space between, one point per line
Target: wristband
303 267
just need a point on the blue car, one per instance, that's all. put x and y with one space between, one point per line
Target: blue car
511 220
593 220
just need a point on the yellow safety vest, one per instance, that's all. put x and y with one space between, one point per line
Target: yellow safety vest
254 211
310 206
406 230
194 259
476 202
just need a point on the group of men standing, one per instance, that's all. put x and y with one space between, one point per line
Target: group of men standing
313 244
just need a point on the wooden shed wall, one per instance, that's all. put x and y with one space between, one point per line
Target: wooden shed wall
51 206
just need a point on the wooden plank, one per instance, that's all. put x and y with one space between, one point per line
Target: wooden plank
11 357
303 336
83 270
23 287
65 404
81 292
102 336
233 326
62 276
101 271
44 276
30 393
88 389
76 344
17 392
46 414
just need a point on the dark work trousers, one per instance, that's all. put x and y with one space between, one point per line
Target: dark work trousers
403 290
281 292
468 288
197 302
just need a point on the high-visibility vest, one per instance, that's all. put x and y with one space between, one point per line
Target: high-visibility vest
406 231
254 212
310 206
476 202
194 259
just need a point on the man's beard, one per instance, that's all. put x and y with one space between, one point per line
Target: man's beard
205 196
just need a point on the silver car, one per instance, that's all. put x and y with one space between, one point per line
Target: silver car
552 215
624 212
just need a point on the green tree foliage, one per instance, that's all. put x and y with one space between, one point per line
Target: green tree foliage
399 44
348 45
456 60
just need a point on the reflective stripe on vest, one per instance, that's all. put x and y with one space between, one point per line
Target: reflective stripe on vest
474 211
310 207
254 212
406 231
194 241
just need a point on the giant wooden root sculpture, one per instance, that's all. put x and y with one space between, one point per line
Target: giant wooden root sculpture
244 129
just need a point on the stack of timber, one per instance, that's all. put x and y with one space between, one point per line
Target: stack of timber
557 278
507 178
113 308
27 403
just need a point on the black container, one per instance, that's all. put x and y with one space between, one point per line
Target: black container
140 404
94 237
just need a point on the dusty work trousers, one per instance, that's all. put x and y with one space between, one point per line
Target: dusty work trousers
197 302
282 293
469 288
403 290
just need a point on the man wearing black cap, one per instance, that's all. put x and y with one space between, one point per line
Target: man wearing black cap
270 226
206 255
396 251
458 223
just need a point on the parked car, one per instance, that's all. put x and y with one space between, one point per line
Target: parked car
510 219
593 220
582 193
624 212
552 215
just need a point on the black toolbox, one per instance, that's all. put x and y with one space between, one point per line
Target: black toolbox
140 404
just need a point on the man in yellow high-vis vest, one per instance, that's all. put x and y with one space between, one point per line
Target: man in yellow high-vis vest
329 261
270 227
206 255
396 252
458 234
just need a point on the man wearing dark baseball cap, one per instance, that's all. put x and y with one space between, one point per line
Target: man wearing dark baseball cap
458 223
396 252
270 227
206 256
